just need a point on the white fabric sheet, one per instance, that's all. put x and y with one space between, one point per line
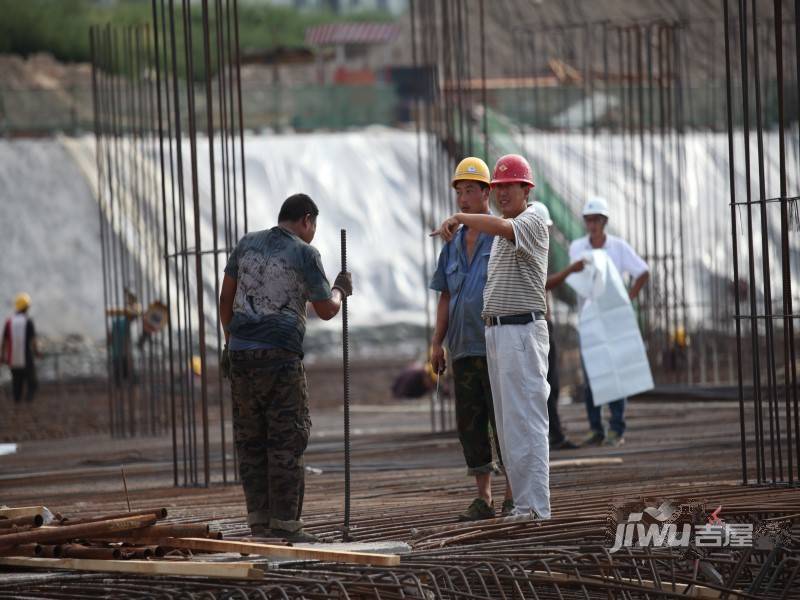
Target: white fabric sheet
611 344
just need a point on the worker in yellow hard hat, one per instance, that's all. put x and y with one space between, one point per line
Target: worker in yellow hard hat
460 278
18 349
677 352
22 302
679 338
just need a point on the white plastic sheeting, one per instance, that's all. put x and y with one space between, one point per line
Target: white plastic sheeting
50 238
364 181
611 345
692 173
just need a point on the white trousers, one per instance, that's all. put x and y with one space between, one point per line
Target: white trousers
517 358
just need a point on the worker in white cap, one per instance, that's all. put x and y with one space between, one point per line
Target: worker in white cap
627 262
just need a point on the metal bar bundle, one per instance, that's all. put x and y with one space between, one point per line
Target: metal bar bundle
169 146
764 216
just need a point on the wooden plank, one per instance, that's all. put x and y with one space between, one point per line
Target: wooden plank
290 552
142 567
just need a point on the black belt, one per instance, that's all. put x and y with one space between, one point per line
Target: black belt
522 319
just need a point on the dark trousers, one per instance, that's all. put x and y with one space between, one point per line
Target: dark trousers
271 427
23 379
556 433
594 413
475 414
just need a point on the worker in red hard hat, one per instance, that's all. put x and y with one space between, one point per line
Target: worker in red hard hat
517 340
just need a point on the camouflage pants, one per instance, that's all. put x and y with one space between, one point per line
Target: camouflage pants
271 428
475 414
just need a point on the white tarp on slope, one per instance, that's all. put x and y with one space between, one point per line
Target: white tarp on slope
365 181
692 184
611 344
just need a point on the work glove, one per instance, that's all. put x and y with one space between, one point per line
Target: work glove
344 283
225 363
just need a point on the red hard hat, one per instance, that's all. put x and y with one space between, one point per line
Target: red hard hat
512 168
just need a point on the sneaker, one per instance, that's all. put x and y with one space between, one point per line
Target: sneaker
296 537
614 439
593 438
508 508
564 444
478 510
525 513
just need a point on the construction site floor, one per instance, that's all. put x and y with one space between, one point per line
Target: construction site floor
405 479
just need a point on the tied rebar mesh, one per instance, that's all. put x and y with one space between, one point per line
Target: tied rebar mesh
764 246
633 111
167 104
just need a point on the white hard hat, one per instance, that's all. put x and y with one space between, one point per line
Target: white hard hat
540 209
596 205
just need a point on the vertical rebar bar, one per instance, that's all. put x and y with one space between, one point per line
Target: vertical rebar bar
346 381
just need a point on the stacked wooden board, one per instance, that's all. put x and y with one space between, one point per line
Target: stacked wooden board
137 542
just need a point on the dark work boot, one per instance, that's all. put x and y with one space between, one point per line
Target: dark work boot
296 537
478 510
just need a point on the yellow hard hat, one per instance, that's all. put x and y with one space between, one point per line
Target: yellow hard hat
22 302
472 168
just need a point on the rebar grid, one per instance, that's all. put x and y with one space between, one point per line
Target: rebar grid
169 146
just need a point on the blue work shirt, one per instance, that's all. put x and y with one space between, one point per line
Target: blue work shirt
276 274
464 280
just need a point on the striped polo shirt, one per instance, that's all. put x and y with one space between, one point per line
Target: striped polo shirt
518 269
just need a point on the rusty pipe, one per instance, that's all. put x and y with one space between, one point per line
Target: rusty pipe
23 550
26 521
158 513
168 530
62 533
81 551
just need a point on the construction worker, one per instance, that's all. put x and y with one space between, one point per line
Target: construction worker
415 381
517 343
460 278
269 277
18 349
626 261
558 439
120 339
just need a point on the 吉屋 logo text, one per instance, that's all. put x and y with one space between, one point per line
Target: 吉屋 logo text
663 527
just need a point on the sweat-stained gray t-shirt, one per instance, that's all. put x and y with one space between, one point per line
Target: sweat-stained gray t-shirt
276 274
